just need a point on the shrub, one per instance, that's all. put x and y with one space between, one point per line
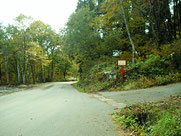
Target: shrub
153 65
155 70
152 119
168 125
166 79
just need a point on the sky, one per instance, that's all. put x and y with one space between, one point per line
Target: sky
52 12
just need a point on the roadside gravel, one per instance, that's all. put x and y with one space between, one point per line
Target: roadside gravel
4 90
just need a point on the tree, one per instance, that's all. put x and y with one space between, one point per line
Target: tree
23 23
37 59
85 3
63 64
158 16
1 47
6 48
176 18
129 35
80 40
114 27
38 30
29 52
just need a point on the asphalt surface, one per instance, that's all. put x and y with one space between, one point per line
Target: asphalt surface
56 109
123 98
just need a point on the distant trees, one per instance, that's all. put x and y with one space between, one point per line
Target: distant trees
30 52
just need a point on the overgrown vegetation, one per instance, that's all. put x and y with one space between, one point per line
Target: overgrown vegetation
31 52
152 119
98 28
154 71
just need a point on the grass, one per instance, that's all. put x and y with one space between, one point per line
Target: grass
116 85
146 82
152 119
153 71
79 88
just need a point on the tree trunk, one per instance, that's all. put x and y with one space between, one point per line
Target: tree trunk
43 67
175 26
155 34
64 73
128 32
18 69
7 70
179 17
49 73
0 75
52 70
43 74
24 63
32 72
24 70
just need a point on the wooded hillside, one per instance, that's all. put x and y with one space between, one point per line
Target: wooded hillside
30 51
135 29
98 27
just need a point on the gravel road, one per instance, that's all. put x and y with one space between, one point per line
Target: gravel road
56 109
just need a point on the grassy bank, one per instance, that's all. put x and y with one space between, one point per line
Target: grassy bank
158 67
154 71
146 82
152 119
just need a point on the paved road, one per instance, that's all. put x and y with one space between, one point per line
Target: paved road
123 98
56 109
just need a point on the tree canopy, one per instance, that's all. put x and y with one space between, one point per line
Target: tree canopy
31 51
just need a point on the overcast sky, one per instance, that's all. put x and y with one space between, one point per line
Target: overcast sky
52 12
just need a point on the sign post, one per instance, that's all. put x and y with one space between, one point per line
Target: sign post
121 63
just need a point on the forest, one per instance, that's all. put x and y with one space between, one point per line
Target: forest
145 32
31 52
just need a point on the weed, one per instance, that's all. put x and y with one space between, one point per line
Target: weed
168 125
153 119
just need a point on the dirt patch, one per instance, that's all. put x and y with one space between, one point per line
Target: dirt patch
47 87
4 90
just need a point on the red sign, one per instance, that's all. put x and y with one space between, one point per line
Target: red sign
122 63
122 70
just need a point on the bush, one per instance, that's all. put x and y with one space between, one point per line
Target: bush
155 70
152 119
168 125
170 78
174 51
145 82
95 78
152 66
